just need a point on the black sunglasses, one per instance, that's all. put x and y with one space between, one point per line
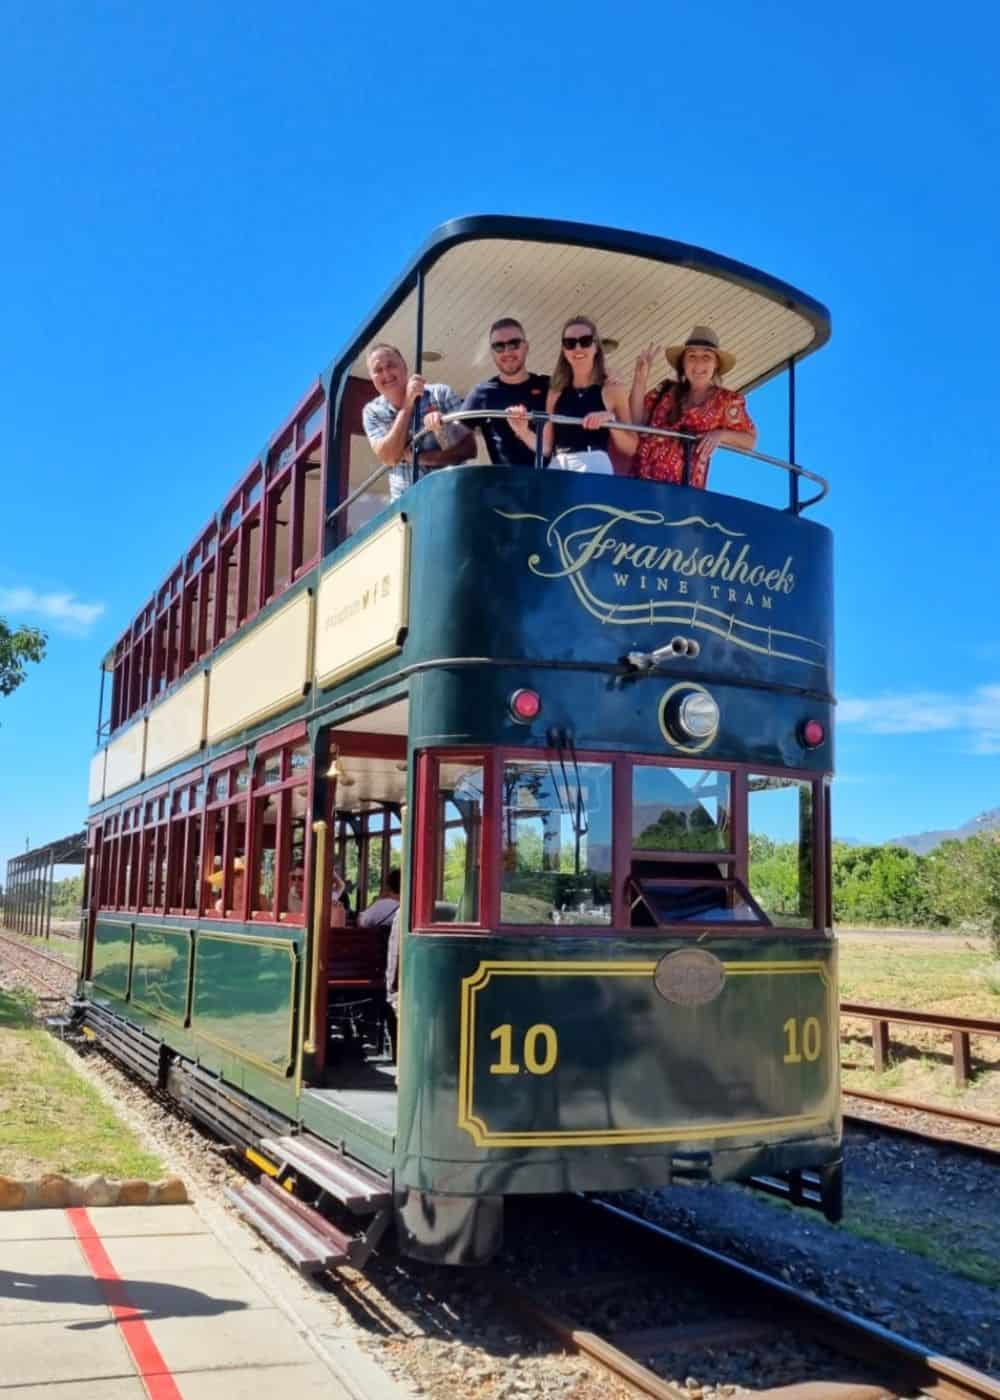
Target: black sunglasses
515 343
570 342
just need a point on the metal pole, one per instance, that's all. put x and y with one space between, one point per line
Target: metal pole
48 896
100 706
418 368
793 480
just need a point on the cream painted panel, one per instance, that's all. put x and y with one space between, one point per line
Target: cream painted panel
363 605
264 673
177 726
125 758
96 789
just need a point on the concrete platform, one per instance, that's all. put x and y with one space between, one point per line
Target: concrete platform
168 1302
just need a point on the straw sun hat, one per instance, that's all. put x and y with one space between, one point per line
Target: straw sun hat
701 336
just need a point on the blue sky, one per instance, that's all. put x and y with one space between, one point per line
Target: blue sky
200 201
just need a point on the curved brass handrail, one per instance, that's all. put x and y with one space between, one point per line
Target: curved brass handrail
535 416
472 414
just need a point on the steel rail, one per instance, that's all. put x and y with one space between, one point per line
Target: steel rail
38 976
844 1331
473 414
960 1115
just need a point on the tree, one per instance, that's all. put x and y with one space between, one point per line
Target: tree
17 648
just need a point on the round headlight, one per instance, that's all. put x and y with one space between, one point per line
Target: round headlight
698 715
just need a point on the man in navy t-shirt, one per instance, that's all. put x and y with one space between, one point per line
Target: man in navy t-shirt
512 385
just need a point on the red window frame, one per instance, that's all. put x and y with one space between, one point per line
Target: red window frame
239 562
198 602
226 810
186 822
107 897
187 616
295 451
427 844
281 749
128 857
153 851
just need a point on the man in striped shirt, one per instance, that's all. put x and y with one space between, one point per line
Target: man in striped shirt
388 420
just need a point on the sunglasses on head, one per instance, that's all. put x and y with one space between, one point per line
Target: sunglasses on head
515 343
570 342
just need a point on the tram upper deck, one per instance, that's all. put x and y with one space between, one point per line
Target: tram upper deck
543 570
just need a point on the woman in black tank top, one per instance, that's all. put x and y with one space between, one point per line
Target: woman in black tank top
579 389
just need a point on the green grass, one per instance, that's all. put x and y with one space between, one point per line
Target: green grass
52 1120
927 1243
962 980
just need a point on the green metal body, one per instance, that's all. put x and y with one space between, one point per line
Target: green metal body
547 580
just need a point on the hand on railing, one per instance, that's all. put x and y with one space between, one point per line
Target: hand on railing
536 418
521 417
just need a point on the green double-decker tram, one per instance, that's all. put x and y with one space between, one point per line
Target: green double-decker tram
582 722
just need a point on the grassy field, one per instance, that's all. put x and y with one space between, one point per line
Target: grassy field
53 1121
949 973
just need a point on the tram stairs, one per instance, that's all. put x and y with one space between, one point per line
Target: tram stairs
308 1167
301 1177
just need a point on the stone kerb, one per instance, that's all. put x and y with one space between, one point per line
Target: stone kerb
52 1191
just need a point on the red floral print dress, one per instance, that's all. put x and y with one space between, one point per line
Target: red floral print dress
662 459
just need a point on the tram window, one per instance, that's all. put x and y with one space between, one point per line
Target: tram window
556 843
459 843
780 826
680 809
280 816
224 874
311 512
375 825
266 862
695 900
251 582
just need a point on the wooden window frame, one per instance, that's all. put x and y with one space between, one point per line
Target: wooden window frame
180 858
428 848
211 813
153 851
197 612
241 514
427 843
282 743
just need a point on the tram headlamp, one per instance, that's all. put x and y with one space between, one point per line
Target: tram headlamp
698 715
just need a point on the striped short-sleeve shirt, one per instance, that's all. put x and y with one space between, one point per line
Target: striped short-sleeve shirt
378 419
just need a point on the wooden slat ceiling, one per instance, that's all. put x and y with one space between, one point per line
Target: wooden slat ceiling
633 300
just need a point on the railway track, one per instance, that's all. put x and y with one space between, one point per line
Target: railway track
754 1323
37 968
978 1134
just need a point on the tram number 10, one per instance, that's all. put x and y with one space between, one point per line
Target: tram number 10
802 1042
539 1050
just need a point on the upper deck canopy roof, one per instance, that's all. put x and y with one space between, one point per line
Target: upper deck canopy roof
636 287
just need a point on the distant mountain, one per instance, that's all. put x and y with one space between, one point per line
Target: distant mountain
925 841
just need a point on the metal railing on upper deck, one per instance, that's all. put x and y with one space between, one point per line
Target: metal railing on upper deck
537 418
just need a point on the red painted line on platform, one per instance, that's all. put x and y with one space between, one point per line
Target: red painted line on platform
153 1370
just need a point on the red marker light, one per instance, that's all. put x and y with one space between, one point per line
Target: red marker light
525 705
812 734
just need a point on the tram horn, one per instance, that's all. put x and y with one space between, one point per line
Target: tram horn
677 646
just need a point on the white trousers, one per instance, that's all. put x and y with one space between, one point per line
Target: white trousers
591 459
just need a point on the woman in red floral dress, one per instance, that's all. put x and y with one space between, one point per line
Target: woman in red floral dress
695 403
